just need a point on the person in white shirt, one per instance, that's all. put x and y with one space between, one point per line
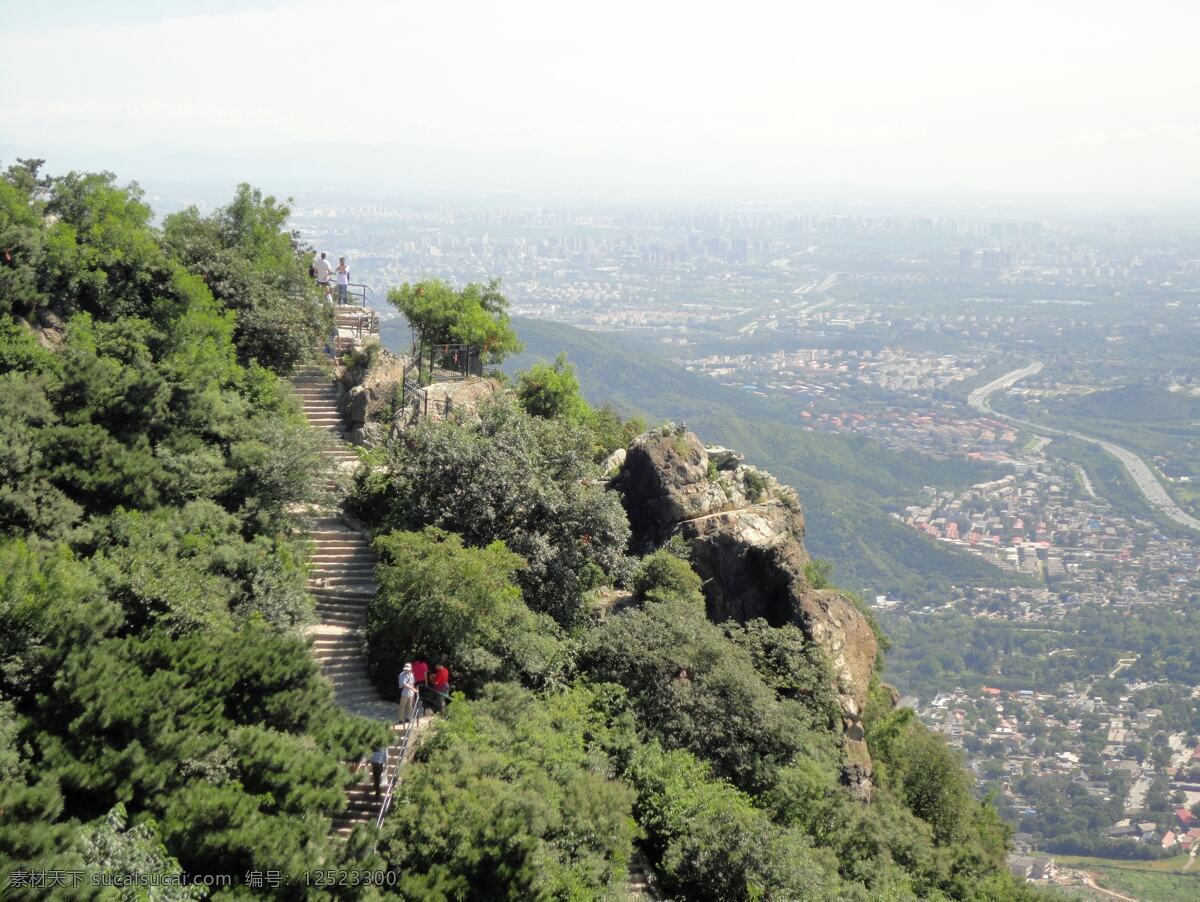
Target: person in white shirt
322 269
342 276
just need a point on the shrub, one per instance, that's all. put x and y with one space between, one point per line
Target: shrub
663 574
446 602
756 484
709 841
691 688
818 573
254 266
474 315
552 390
511 477
511 799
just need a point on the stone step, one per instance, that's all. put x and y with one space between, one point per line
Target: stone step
348 552
354 682
358 600
330 657
355 582
350 555
329 533
343 670
344 571
342 619
349 590
345 614
330 589
349 600
339 607
343 640
332 528
338 654
349 696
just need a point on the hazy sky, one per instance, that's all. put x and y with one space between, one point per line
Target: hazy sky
992 99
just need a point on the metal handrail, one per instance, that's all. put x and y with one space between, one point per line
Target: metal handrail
409 730
359 291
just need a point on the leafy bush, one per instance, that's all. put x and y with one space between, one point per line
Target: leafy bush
511 477
792 665
189 568
691 688
552 390
818 573
474 315
756 485
254 267
511 799
663 574
445 602
709 841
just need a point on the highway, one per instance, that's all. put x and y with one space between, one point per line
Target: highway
1141 474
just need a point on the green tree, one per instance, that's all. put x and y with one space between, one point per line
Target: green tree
552 390
507 476
709 841
474 315
114 848
255 267
691 688
510 799
662 575
457 605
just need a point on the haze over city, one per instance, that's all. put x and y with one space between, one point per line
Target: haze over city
1083 101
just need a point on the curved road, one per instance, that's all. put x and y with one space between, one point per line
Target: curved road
1143 478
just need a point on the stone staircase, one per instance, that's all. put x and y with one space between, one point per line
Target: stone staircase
342 581
640 884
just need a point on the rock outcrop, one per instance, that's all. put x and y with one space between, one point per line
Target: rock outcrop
746 532
444 398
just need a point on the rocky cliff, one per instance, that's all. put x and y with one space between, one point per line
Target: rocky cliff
746 532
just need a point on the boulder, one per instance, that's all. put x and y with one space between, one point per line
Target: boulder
613 463
724 458
463 397
746 534
664 483
357 401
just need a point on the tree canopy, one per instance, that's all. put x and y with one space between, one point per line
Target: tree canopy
158 707
475 314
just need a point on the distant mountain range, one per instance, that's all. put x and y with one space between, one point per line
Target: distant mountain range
846 483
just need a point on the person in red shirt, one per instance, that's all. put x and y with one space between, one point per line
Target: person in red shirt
439 682
420 672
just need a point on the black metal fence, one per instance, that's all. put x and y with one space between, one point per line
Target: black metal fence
436 363
445 363
356 294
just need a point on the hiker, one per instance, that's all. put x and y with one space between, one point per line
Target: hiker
408 693
342 277
378 763
321 270
439 682
420 672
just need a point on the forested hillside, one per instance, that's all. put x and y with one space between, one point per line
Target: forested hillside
160 711
846 482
